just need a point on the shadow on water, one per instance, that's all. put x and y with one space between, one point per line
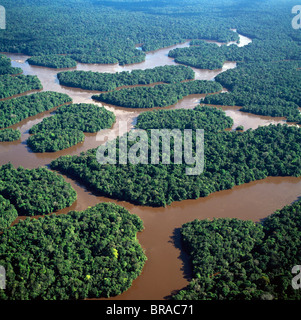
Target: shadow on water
186 269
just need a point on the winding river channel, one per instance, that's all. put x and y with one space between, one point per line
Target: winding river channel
167 268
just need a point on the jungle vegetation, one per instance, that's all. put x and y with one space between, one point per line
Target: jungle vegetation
15 110
67 126
8 213
13 85
230 158
234 259
152 24
270 88
109 81
88 254
6 68
35 191
9 135
52 61
161 95
55 140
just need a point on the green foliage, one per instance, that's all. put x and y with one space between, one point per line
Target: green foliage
110 81
35 191
231 158
6 68
52 141
15 110
160 95
239 260
201 117
113 30
82 116
9 135
88 254
271 89
8 213
205 55
13 85
65 128
52 61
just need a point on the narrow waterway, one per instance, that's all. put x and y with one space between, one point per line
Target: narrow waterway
167 269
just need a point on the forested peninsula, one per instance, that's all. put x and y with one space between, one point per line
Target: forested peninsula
231 158
35 191
52 61
7 135
13 85
89 254
6 68
67 126
269 88
235 259
161 95
15 110
109 81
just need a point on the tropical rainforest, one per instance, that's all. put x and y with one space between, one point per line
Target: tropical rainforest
9 135
231 158
8 213
89 254
15 110
95 253
52 61
160 95
123 26
235 259
269 88
13 85
67 126
6 68
35 191
109 81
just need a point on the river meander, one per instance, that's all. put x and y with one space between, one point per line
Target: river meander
167 268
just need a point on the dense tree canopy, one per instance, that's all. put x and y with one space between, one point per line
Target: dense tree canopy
9 135
35 191
95 253
52 61
86 117
6 68
122 28
67 126
231 158
15 110
13 85
205 55
161 95
55 140
88 254
110 81
8 213
201 117
241 260
271 89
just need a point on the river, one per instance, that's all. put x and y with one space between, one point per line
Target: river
167 268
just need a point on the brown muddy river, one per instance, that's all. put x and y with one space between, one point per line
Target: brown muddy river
167 268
